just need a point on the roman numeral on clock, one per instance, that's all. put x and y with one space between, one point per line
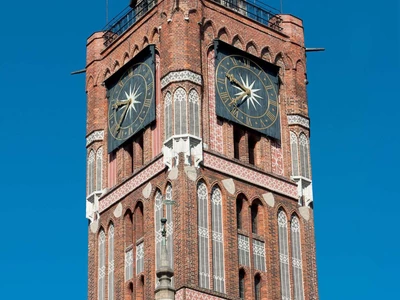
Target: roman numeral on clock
270 116
147 103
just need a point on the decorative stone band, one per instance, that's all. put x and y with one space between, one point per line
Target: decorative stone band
146 174
190 294
97 135
180 76
252 176
298 120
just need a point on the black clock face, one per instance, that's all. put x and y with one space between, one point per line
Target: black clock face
130 102
247 93
131 98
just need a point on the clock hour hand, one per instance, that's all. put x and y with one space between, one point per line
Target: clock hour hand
236 99
119 103
235 81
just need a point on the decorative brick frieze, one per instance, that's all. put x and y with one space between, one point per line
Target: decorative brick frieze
180 76
97 135
250 175
120 192
298 120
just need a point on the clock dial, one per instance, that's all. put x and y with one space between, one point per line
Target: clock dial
131 103
246 93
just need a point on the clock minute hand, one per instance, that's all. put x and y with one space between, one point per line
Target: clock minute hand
235 81
123 115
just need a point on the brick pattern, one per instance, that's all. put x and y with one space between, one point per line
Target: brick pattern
216 134
142 177
276 158
251 176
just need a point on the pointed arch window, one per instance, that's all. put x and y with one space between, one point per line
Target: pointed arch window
139 231
257 287
217 240
101 265
168 115
194 113
111 262
284 255
99 168
296 259
160 211
180 114
202 219
241 284
91 174
304 156
295 153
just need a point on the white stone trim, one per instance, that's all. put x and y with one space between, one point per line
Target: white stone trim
298 120
177 76
97 135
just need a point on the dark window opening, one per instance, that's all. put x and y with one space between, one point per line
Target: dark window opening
241 284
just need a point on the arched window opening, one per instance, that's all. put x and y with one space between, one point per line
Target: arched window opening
111 262
194 113
99 168
168 115
257 287
203 233
254 218
241 284
294 154
101 265
217 236
239 212
296 259
304 156
128 239
180 114
284 255
139 232
91 174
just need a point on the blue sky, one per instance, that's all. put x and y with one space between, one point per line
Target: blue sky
354 109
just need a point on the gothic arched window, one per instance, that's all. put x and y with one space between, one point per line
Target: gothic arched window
90 170
296 259
304 156
99 168
284 255
180 114
168 115
217 237
202 221
102 265
295 153
111 262
194 113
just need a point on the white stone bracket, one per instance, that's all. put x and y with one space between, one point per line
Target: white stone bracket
189 145
304 190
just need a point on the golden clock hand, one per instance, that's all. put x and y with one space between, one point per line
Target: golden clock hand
235 81
119 103
123 116
237 98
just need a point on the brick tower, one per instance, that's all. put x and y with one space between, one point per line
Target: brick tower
198 167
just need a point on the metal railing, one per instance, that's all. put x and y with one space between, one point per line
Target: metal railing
125 19
253 9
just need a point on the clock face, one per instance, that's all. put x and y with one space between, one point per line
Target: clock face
131 103
246 93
